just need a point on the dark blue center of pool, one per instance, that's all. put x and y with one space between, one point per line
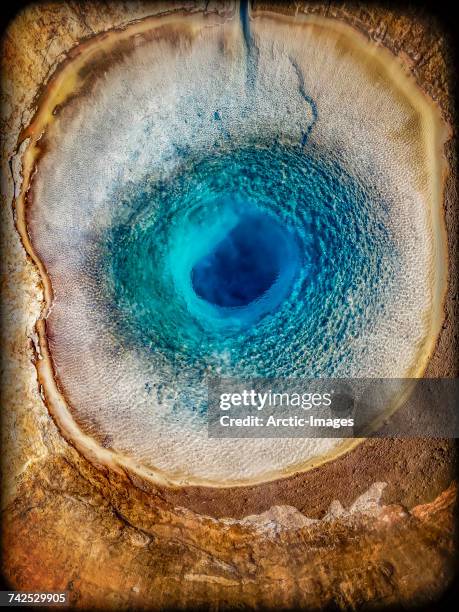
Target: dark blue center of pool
243 265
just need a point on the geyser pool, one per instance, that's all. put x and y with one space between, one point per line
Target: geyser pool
297 122
218 279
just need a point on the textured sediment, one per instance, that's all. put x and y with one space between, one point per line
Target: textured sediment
153 546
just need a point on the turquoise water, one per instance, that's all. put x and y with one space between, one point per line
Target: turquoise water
267 260
245 257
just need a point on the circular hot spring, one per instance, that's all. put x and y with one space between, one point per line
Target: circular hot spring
213 202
